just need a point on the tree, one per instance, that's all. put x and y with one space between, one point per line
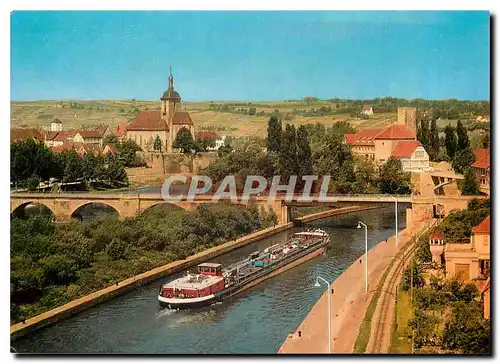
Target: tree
463 137
157 144
463 160
365 175
205 143
433 140
127 151
469 186
330 156
467 331
450 141
110 139
485 140
304 155
274 134
392 179
423 132
184 141
288 165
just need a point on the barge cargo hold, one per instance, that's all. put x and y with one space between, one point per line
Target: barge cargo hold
213 284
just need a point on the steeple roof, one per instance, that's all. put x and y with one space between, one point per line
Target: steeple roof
170 93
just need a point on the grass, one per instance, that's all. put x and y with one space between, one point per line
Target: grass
365 329
113 112
400 343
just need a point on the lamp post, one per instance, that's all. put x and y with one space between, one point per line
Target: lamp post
366 253
329 311
396 214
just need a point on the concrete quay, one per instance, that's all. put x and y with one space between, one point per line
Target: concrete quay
349 302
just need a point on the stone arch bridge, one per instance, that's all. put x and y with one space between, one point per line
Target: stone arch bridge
63 205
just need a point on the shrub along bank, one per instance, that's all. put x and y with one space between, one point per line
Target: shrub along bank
54 264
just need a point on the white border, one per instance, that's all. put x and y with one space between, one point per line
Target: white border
8 6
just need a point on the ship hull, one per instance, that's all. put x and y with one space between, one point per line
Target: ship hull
186 303
278 268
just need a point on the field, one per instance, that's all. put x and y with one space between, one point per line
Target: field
77 114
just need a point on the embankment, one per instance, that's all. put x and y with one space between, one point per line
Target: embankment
88 301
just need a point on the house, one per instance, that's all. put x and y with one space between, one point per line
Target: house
380 144
57 138
481 168
363 142
19 134
470 259
109 148
56 125
120 131
367 110
80 148
88 137
164 123
412 154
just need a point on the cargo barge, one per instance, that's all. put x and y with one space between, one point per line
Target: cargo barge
213 284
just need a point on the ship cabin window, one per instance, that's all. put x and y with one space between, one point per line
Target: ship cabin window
209 269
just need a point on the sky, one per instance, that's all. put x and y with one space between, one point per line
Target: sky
84 55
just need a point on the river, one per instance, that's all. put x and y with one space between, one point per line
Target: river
255 321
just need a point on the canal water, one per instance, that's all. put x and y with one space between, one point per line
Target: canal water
255 321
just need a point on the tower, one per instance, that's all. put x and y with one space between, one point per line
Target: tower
56 125
408 116
170 100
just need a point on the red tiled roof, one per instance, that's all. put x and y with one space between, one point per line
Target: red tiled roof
363 137
405 148
436 235
182 118
111 147
350 138
66 146
148 120
483 227
64 135
482 158
90 133
49 135
206 134
120 130
397 131
17 134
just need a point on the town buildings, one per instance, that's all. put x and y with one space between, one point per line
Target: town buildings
367 110
163 124
481 168
396 140
467 260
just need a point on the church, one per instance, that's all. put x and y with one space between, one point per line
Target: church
164 123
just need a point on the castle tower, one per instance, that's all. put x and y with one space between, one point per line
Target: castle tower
170 101
408 116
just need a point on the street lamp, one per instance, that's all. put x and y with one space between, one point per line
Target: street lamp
396 213
366 252
329 311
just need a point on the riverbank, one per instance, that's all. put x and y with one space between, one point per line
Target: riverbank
349 303
78 305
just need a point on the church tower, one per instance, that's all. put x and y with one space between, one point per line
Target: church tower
170 101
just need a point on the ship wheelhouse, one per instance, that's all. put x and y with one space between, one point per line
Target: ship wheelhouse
210 269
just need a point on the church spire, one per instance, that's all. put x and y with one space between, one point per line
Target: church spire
170 79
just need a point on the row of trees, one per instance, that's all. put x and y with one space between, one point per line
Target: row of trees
310 150
32 162
54 263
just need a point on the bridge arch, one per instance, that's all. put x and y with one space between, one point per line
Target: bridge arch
77 211
18 209
148 207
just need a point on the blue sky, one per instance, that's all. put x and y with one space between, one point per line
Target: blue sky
250 55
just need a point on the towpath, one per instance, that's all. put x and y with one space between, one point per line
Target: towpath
349 303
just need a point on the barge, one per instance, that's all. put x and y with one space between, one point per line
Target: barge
213 284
